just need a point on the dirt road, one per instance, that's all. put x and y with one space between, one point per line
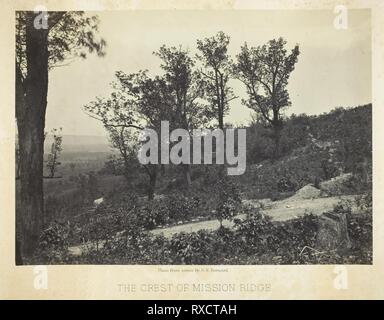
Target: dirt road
279 211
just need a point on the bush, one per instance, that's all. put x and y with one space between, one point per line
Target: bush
193 248
284 240
228 199
152 214
364 202
221 246
53 245
165 211
134 246
285 184
180 207
137 247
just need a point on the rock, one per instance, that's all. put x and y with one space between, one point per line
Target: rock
333 232
98 201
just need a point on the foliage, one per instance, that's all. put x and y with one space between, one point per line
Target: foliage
213 54
184 86
342 129
265 71
193 248
255 239
113 166
228 199
153 214
88 186
71 35
181 207
360 232
288 175
168 210
364 202
53 244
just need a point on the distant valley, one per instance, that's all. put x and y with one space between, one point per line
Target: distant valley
80 143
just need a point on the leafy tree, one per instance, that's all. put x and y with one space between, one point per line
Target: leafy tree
228 200
121 139
136 102
69 35
265 71
216 74
53 156
185 88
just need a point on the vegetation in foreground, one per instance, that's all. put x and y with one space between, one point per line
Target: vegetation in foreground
253 240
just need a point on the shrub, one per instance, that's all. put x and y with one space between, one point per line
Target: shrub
133 246
152 214
255 231
205 247
228 199
285 184
53 245
180 207
364 202
168 210
137 247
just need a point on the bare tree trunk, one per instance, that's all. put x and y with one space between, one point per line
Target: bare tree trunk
152 172
53 167
30 113
276 149
187 173
277 127
221 121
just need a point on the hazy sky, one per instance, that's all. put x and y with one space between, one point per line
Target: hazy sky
334 67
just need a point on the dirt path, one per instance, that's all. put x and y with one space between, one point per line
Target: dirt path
278 210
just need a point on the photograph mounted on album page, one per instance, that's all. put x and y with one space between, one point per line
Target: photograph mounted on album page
179 150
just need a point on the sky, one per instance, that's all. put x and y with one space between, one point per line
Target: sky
333 68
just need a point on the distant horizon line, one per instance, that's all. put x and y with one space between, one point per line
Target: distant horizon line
235 124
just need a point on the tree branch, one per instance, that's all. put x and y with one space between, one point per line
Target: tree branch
115 125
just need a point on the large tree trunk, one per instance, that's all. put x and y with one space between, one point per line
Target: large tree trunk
30 113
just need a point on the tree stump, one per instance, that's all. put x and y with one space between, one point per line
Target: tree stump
333 232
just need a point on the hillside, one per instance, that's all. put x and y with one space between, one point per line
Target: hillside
323 160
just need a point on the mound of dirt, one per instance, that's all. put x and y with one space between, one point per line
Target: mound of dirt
306 192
